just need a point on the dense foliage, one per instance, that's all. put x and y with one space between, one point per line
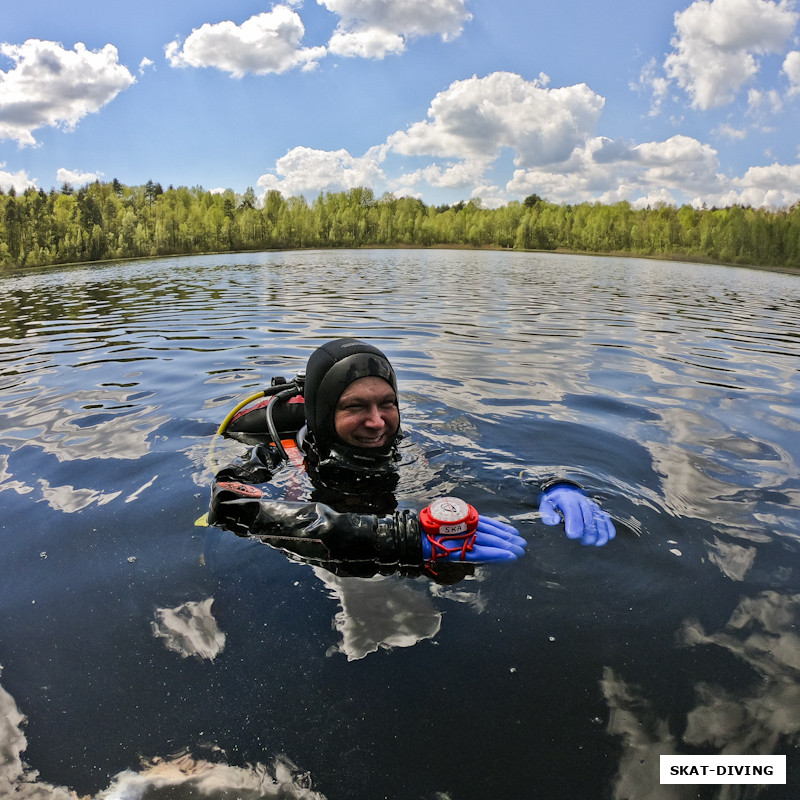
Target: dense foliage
110 221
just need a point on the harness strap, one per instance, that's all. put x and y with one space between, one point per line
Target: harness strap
463 542
293 453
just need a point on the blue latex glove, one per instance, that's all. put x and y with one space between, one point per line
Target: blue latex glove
583 518
492 541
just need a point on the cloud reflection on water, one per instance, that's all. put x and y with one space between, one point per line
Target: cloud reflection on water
69 499
184 776
59 429
190 629
180 775
5 474
733 560
379 612
66 498
51 401
762 720
384 612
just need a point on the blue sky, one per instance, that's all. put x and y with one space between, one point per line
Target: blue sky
445 100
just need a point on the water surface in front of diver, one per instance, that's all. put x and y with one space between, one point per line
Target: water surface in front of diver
145 656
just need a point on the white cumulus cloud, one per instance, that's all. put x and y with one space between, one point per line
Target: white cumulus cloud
19 180
77 177
729 132
50 85
475 119
455 176
680 162
304 170
549 131
609 171
651 80
376 28
772 186
764 102
265 43
717 44
791 68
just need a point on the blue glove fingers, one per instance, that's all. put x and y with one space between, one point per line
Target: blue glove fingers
500 529
548 511
576 520
485 539
500 526
610 530
483 554
572 504
598 529
605 530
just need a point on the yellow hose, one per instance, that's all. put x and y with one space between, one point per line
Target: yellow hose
210 465
227 421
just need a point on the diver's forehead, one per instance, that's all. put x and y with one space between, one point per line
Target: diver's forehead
368 388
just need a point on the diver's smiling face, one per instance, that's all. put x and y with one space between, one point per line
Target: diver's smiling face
367 414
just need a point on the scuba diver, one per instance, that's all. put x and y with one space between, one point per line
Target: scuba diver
340 421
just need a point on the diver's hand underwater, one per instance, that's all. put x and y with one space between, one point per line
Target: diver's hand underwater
583 518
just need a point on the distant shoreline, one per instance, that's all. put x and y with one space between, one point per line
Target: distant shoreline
489 248
104 222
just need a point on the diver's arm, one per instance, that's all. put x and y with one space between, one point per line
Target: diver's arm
259 467
315 531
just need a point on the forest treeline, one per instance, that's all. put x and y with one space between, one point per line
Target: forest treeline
109 220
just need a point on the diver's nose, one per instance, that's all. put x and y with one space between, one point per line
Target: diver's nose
374 420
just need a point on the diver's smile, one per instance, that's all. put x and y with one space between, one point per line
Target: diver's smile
371 441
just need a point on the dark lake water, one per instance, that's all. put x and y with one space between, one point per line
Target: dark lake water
144 656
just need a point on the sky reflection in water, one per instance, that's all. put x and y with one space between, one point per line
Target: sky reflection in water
142 653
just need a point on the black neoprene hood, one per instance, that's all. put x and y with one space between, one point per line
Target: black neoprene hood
331 369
